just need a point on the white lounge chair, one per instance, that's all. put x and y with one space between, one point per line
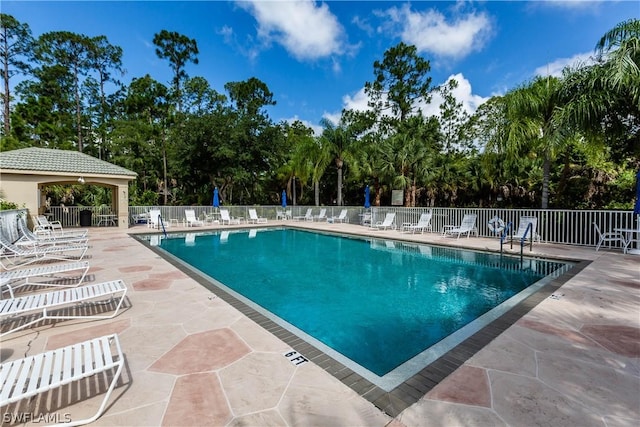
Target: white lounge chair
610 237
522 229
389 222
424 223
467 226
322 216
14 279
255 219
39 306
154 218
340 218
17 256
190 218
28 238
24 378
226 218
55 227
306 217
142 218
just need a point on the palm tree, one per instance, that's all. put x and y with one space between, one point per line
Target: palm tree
532 124
368 165
621 45
340 144
315 155
604 98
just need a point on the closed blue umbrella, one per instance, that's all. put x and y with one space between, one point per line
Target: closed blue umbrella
284 199
367 202
216 198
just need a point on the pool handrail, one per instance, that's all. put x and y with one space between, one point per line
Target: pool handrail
504 235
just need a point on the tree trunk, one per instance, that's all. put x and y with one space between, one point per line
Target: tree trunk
316 187
6 95
164 166
546 166
378 191
339 200
78 111
294 197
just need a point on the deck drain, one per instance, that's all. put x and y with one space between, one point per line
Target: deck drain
556 296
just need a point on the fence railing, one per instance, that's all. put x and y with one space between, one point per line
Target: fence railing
564 226
69 216
572 227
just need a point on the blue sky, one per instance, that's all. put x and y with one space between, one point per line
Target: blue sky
316 56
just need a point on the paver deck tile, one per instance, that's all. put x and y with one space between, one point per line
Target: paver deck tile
467 385
197 400
202 352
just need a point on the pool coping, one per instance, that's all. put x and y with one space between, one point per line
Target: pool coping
414 388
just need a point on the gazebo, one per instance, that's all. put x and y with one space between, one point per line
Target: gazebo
25 172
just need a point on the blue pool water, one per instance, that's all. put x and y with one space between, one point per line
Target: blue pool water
378 303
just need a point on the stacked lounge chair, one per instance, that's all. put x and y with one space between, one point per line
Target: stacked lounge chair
96 360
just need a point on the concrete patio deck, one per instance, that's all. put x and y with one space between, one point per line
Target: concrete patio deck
194 359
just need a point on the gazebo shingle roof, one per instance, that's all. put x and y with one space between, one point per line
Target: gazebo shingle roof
52 160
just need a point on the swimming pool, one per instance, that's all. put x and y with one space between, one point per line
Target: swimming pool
383 308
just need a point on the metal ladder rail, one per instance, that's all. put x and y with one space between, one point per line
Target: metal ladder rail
505 234
524 238
164 230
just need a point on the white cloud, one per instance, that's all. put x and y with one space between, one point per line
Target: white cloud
306 30
357 102
555 68
364 25
430 31
463 94
317 129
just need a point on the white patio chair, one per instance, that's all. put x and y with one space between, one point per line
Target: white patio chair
16 256
28 238
610 237
14 279
33 375
366 219
226 218
255 219
532 234
467 226
424 223
388 222
340 218
55 227
308 216
40 306
322 216
154 218
190 218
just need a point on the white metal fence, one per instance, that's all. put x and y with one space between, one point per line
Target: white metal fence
571 227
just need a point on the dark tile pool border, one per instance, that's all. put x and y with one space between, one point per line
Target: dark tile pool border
414 388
